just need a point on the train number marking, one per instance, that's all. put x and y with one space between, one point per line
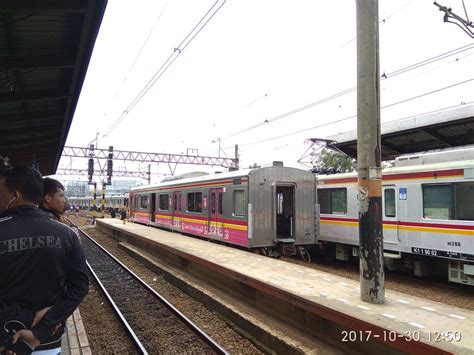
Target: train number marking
423 251
453 243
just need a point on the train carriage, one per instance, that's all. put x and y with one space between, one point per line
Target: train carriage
111 203
262 209
428 217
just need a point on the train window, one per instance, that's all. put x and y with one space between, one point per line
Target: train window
213 202
464 193
339 201
164 202
390 208
219 204
438 201
279 203
195 202
324 199
333 201
239 203
143 201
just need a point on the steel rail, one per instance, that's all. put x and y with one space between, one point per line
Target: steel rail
138 344
198 331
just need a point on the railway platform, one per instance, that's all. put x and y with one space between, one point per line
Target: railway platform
75 340
322 305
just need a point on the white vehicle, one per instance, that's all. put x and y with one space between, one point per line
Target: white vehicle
428 216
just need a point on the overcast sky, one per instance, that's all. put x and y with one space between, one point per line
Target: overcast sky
257 60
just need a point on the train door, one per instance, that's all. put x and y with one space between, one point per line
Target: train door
285 213
176 210
390 215
216 213
153 207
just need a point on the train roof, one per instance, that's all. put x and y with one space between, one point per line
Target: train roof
208 178
462 164
204 178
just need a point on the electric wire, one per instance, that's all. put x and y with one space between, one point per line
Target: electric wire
347 91
167 63
380 22
140 51
354 116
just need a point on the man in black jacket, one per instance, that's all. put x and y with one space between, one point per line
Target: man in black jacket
43 271
53 201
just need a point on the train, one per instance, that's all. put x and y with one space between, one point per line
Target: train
111 203
269 210
427 208
428 215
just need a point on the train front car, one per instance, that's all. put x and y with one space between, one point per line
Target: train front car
269 210
428 217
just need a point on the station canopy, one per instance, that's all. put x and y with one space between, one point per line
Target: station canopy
437 130
45 48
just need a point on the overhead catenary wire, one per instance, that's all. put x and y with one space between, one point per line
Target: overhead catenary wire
350 90
381 21
140 50
167 63
354 116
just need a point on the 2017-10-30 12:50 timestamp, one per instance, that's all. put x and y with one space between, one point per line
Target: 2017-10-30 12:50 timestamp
390 335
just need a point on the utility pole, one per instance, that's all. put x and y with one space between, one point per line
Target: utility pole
372 278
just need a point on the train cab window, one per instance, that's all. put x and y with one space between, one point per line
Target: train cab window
164 202
389 200
239 202
144 201
333 201
194 202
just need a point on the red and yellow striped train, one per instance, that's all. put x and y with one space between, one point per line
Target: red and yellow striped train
428 216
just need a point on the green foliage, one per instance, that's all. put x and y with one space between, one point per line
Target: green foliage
331 162
254 165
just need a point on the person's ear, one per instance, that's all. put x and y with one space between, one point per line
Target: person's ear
48 198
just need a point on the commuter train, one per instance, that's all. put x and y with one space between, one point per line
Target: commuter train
428 216
269 210
115 203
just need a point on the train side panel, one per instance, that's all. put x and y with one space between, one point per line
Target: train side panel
260 208
428 212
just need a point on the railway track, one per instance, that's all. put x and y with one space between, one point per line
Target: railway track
153 324
431 289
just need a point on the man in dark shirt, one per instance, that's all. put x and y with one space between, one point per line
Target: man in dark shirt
43 270
53 201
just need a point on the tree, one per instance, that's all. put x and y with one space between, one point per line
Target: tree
330 162
254 165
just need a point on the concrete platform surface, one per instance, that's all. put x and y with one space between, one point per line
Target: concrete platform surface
403 319
75 340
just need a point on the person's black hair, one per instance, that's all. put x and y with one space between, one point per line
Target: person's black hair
28 181
51 186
